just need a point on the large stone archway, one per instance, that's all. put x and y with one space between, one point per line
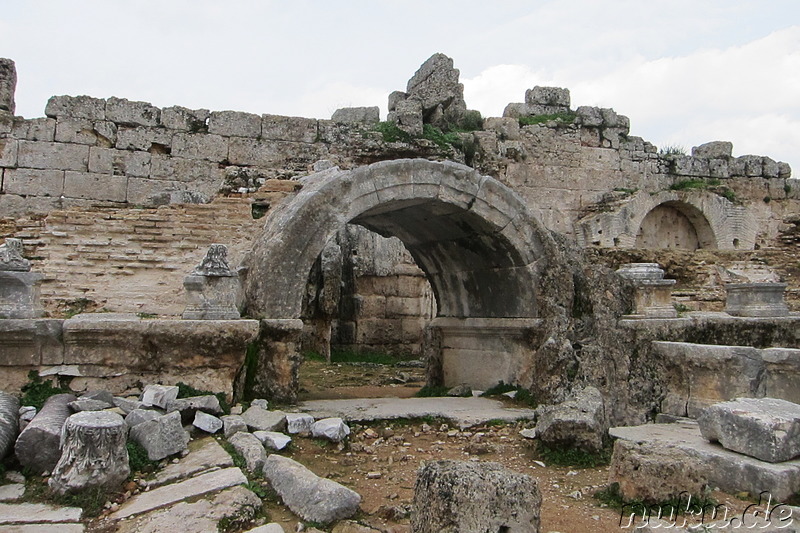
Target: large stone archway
480 247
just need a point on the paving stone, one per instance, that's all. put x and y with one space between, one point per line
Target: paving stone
35 513
12 491
204 454
169 494
259 419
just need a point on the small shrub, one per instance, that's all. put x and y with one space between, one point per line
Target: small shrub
672 149
432 391
311 355
684 185
563 118
37 391
523 396
392 133
787 188
727 193
76 307
146 315
680 308
138 459
238 459
574 457
471 121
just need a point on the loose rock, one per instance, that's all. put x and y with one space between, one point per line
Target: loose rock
161 437
249 447
333 429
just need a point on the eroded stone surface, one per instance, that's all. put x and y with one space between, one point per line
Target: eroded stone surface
38 446
161 437
764 428
204 454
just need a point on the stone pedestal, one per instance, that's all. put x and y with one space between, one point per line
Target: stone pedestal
19 294
653 297
756 299
211 297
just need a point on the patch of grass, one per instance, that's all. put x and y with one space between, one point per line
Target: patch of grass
564 118
672 149
432 391
377 358
441 139
574 457
138 459
392 133
314 356
76 306
238 459
680 308
523 396
146 315
727 193
37 391
187 391
471 121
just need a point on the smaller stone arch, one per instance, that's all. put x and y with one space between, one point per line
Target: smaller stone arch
716 222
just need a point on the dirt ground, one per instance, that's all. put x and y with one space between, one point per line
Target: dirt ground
382 459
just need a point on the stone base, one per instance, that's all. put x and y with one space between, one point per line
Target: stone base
211 297
682 450
756 299
19 294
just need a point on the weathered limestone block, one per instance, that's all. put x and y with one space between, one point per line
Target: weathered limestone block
782 374
579 422
357 115
764 428
251 449
137 416
75 130
76 107
435 85
307 495
272 439
212 289
756 299
8 84
89 404
549 96
394 98
409 116
298 423
91 186
189 406
184 119
296 129
258 419
233 424
333 429
119 162
161 437
33 182
94 453
9 422
34 129
589 116
506 127
713 150
159 395
653 296
19 294
56 156
143 138
38 446
206 422
465 497
9 149
11 256
235 124
200 146
128 113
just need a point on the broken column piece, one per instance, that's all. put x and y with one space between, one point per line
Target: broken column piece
212 288
38 446
19 287
653 297
9 422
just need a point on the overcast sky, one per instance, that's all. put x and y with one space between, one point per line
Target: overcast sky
685 71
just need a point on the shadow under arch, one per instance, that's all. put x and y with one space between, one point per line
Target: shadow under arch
475 239
685 227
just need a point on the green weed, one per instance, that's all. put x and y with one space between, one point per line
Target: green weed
574 457
187 391
672 149
564 118
138 459
37 391
392 133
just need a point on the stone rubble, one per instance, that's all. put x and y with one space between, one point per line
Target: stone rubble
579 422
251 449
206 422
158 395
334 429
259 419
161 437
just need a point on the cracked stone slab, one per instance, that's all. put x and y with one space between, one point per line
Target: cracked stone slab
37 513
204 454
169 494
44 528
466 412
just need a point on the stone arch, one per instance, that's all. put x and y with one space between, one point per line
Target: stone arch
675 224
475 239
719 223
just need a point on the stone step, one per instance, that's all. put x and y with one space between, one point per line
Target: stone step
37 513
205 454
169 494
44 528
680 449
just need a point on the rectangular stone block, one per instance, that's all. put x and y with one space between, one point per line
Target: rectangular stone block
142 191
184 119
58 156
280 128
75 130
782 373
234 123
129 113
8 152
76 106
119 162
35 129
200 146
92 186
399 306
33 182
25 342
142 138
